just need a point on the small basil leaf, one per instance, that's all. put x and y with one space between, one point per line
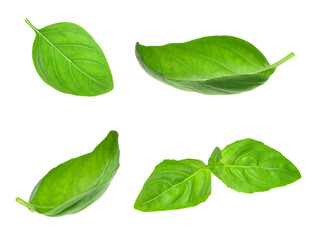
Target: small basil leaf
75 184
210 65
175 185
68 59
250 166
216 156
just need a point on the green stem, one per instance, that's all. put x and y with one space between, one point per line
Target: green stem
24 203
31 25
281 61
275 65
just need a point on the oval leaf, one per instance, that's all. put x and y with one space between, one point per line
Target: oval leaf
74 185
175 185
250 166
210 65
68 59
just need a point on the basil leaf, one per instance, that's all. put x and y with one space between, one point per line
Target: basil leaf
175 185
216 156
250 166
74 185
209 65
68 59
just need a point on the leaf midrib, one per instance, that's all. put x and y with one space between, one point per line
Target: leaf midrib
266 168
44 37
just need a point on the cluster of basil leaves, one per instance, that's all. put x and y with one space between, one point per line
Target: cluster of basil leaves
68 59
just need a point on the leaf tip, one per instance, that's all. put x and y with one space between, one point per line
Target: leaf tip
299 175
136 206
113 133
139 208
137 46
217 149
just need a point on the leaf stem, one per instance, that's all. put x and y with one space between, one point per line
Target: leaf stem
275 65
31 25
281 61
24 203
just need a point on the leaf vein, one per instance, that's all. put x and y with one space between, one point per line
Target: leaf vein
182 62
186 179
82 71
73 45
212 59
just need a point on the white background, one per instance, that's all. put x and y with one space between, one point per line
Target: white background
41 127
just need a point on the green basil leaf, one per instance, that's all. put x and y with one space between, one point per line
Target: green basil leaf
216 156
209 65
68 59
75 184
175 185
250 166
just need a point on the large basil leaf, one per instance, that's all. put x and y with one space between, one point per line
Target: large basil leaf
250 166
209 65
74 185
68 59
175 185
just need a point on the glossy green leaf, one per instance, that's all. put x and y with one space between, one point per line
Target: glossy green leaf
175 185
68 59
250 166
75 184
209 65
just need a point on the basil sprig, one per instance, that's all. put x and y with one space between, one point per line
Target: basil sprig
245 166
77 183
209 65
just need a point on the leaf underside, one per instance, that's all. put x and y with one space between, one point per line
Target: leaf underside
68 59
175 185
250 166
209 65
75 184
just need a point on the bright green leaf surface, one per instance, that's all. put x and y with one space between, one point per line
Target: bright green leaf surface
209 65
175 185
250 166
68 59
74 185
